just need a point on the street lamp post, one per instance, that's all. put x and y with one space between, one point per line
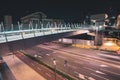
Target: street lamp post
65 64
54 63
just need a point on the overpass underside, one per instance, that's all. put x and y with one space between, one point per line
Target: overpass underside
12 46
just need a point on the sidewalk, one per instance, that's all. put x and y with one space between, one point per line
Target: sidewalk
20 70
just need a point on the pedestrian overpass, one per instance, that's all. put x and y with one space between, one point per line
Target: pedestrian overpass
13 40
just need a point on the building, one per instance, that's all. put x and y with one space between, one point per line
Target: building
99 19
8 22
37 18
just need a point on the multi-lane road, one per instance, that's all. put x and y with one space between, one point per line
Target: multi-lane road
86 64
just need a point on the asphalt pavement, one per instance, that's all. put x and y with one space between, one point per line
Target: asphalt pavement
86 64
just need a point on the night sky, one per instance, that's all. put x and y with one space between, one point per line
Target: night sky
60 9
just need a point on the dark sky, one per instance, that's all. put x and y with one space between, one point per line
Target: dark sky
64 9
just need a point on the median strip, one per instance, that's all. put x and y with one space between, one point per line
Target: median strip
47 66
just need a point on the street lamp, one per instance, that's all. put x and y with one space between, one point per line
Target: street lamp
54 63
65 63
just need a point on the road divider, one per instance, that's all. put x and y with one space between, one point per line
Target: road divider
47 66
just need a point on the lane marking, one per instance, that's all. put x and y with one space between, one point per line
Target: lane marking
40 56
99 76
48 54
110 72
110 56
103 65
35 55
89 58
90 78
81 76
95 71
100 72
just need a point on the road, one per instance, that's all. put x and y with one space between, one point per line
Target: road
86 64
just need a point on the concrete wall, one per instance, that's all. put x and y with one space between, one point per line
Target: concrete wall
5 48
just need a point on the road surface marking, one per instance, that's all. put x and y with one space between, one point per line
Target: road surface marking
100 72
94 70
35 55
40 56
48 54
99 76
103 65
86 58
110 56
48 74
81 76
99 61
111 72
90 78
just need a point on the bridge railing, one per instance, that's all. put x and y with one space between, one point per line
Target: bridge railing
22 31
